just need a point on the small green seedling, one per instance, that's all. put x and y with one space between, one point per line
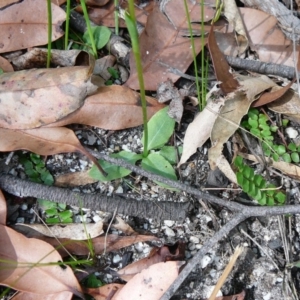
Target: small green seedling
55 213
35 169
114 75
256 186
258 125
161 127
101 36
91 281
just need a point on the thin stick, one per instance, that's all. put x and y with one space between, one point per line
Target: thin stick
238 251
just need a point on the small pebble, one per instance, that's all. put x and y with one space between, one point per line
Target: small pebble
169 232
144 186
205 261
191 246
169 223
96 218
20 220
24 206
126 148
83 162
194 239
139 247
267 296
119 190
117 258
291 132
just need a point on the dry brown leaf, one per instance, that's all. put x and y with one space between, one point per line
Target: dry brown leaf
265 37
74 179
275 93
151 283
111 243
3 209
167 91
112 107
68 231
104 292
37 58
156 256
19 266
121 225
29 296
163 44
96 2
25 24
105 14
5 65
236 106
287 105
43 141
228 82
33 98
200 129
102 64
233 16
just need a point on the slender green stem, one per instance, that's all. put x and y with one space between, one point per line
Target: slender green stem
131 26
49 13
67 24
203 68
89 28
194 53
116 3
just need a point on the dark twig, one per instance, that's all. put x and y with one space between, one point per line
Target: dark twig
261 67
247 211
162 210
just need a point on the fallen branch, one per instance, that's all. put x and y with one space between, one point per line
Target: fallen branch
163 210
261 67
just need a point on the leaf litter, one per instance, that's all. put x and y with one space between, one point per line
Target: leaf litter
230 111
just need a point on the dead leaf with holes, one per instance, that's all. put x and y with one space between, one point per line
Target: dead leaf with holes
151 283
24 24
104 292
162 254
